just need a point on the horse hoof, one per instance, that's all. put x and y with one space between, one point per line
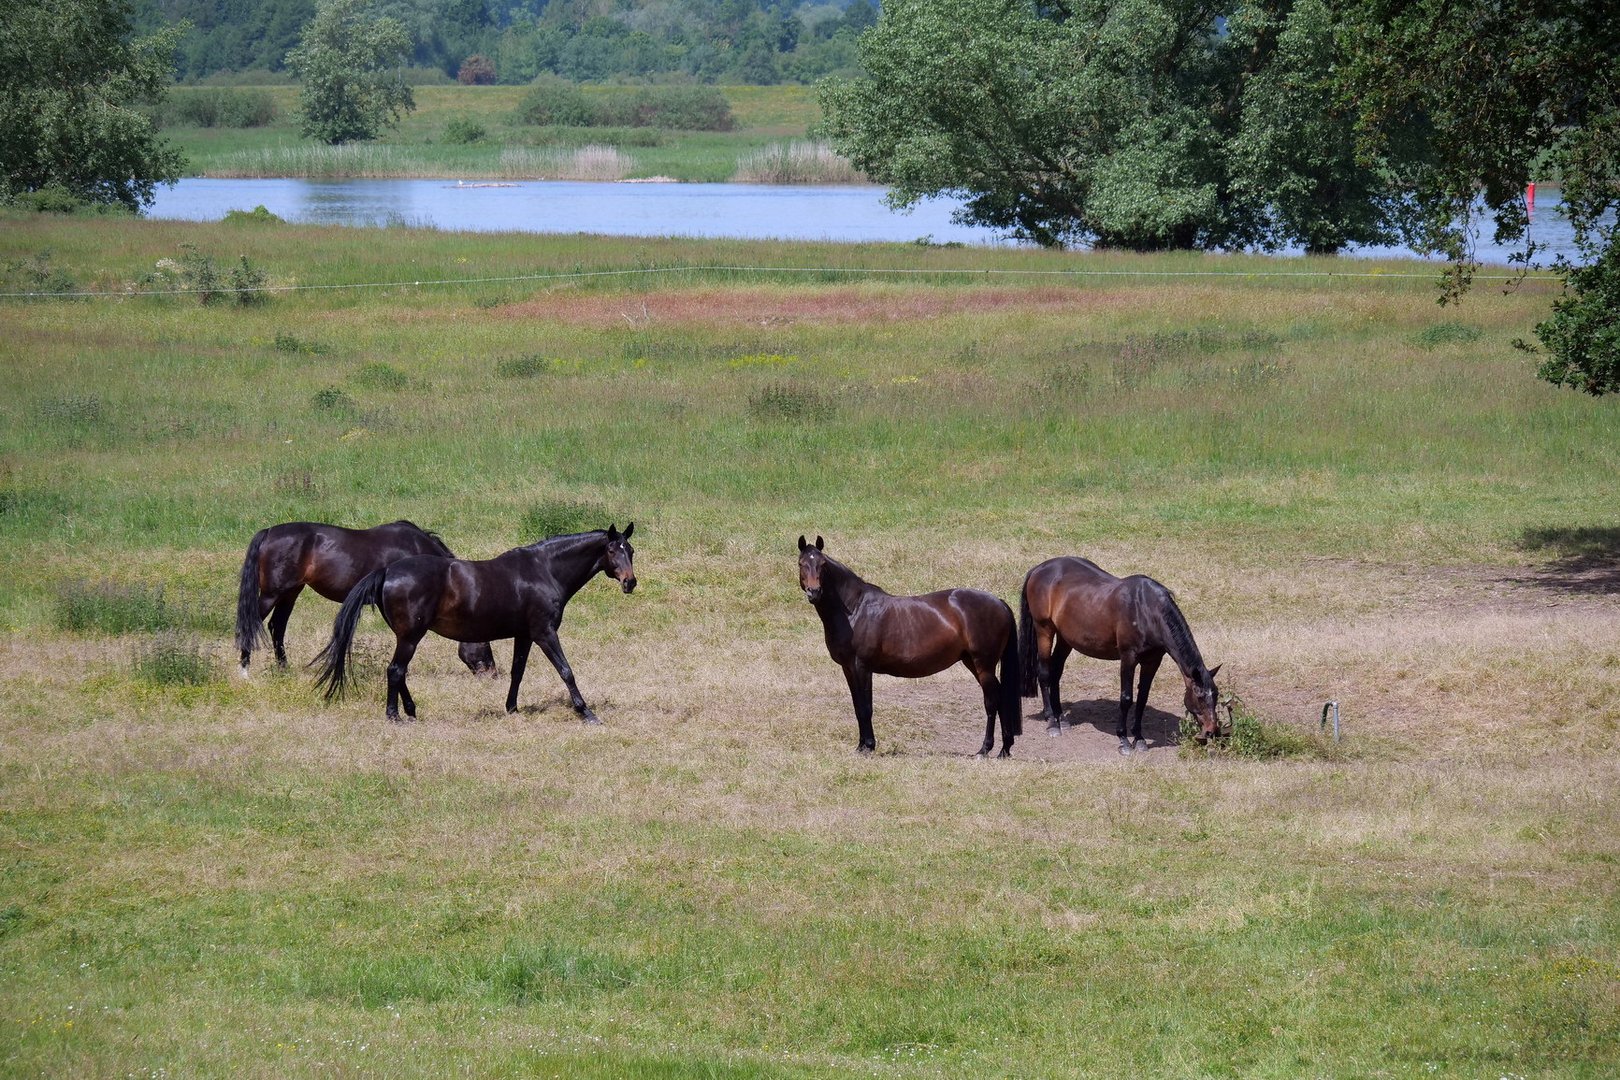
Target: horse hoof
1124 749
590 720
1139 744
1054 728
1005 753
866 751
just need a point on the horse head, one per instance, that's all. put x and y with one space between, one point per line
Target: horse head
1201 698
618 561
811 563
478 657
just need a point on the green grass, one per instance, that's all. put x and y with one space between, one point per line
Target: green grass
419 147
210 876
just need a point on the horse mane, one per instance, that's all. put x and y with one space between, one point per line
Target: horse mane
430 534
1183 649
567 536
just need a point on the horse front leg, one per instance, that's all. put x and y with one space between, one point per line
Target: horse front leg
520 661
1150 668
546 638
860 692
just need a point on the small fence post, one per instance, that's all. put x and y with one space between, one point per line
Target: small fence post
1332 706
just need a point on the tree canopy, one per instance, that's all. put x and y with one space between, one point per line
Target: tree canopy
1135 123
348 60
71 78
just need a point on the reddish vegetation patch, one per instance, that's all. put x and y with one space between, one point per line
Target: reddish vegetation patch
776 306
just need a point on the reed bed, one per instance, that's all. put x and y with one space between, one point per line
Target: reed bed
797 162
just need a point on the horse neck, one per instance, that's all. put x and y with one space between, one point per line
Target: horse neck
1178 638
574 559
842 587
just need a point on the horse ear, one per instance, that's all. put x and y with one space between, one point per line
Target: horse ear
820 543
628 529
613 530
802 544
1213 672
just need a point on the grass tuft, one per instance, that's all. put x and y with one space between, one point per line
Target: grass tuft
377 375
526 366
1445 333
791 403
174 659
110 607
554 517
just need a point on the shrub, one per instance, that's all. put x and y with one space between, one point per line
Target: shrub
108 607
289 343
464 132
684 108
259 215
247 283
38 276
331 399
1252 738
476 70
174 659
219 107
551 100
555 517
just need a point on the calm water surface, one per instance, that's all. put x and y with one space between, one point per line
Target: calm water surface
741 211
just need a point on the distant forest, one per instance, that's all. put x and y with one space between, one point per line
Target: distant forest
758 42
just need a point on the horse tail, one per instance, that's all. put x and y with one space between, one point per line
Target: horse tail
249 623
334 658
1026 644
1012 702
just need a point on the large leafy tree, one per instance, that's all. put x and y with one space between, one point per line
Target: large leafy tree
348 60
1134 123
71 81
1465 102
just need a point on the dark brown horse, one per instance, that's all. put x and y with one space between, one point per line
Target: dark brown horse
871 633
282 559
1073 604
519 594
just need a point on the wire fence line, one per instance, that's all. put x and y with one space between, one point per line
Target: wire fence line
1506 277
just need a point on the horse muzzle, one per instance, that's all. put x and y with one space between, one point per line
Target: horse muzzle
812 595
628 585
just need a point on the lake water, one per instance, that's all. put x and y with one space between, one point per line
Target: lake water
742 211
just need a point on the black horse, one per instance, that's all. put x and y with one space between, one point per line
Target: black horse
330 559
870 632
519 594
1070 603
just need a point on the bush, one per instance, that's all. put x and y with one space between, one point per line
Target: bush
380 376
476 70
38 276
464 132
219 107
551 100
259 215
247 283
290 343
1253 739
556 517
333 400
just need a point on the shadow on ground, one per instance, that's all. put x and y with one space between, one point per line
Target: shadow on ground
1584 560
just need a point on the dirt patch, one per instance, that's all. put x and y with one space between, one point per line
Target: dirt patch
775 307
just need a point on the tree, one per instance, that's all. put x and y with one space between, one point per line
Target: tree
70 80
1466 103
476 70
1132 123
349 95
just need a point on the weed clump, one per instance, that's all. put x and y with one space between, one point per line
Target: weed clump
554 517
330 399
788 402
259 215
1444 333
174 659
37 277
109 607
288 343
380 376
526 366
1252 738
72 410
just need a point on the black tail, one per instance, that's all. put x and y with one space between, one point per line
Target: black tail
334 659
1012 702
1026 644
249 624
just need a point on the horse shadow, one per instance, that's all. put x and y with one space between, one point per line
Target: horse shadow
1585 559
1159 728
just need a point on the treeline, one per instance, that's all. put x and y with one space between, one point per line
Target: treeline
758 42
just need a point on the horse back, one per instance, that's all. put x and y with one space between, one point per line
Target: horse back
331 559
1091 610
461 599
917 636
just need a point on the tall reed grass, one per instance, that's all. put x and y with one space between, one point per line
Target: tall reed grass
797 162
593 162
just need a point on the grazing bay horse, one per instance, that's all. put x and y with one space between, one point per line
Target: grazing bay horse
330 559
871 633
1073 604
519 594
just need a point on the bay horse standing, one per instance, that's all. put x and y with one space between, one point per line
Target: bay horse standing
519 594
870 633
330 559
1071 604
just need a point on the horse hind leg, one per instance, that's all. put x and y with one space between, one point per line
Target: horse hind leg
404 649
992 697
1054 706
279 614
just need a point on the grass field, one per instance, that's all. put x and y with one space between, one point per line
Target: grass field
1355 493
766 116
